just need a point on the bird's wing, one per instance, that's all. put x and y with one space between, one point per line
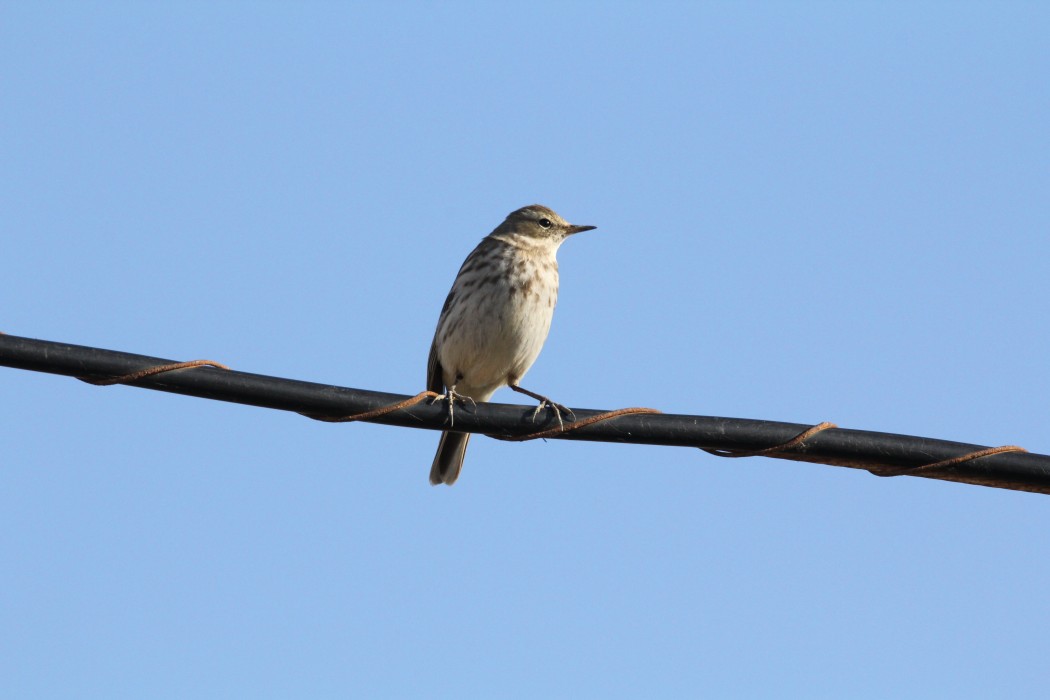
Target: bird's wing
478 258
435 375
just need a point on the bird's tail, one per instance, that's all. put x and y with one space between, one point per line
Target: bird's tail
449 458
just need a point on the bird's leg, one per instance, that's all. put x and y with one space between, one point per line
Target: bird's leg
544 402
452 397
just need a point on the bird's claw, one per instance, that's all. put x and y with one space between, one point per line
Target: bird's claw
452 396
556 407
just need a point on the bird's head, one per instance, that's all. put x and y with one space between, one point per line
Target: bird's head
539 222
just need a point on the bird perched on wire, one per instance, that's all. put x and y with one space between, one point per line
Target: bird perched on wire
495 321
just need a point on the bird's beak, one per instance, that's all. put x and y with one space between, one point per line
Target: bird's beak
577 229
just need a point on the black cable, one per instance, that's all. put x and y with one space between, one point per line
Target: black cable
838 446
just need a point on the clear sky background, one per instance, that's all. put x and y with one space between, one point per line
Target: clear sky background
806 212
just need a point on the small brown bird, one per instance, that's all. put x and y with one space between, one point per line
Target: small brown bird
495 320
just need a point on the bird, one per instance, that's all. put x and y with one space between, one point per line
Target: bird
495 320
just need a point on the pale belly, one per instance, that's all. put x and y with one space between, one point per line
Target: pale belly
495 339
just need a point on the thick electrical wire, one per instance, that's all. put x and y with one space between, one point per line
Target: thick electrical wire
883 454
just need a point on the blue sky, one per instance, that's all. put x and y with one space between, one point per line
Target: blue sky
806 212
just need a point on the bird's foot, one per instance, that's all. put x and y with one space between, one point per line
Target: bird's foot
545 402
452 396
556 407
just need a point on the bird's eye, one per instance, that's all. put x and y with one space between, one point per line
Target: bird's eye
545 223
